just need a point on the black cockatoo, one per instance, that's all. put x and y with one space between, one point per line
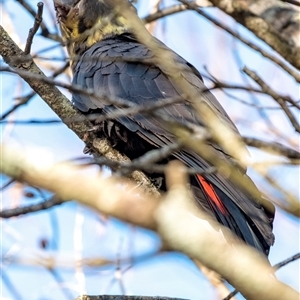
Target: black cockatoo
107 57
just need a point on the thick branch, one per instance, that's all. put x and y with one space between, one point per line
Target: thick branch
273 21
69 182
16 59
247 42
178 220
191 234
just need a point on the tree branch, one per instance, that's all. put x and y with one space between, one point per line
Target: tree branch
37 22
14 212
123 297
273 21
247 42
267 89
176 218
16 59
45 32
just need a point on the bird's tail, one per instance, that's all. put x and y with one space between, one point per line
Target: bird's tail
246 218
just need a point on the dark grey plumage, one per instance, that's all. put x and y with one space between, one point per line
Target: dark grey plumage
119 66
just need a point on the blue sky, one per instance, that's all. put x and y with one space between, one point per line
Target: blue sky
169 274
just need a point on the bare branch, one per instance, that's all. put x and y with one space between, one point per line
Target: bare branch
275 148
275 267
37 22
191 225
173 10
14 212
45 32
273 21
294 2
164 13
107 195
25 99
286 261
123 297
264 53
177 219
231 295
267 89
44 87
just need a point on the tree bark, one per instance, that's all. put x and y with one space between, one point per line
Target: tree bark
274 22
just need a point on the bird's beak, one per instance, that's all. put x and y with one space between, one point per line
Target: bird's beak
63 7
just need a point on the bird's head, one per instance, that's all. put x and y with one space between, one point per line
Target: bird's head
86 22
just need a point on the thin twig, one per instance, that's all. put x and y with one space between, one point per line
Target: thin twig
146 109
286 261
232 294
60 281
279 99
294 2
273 58
138 109
7 184
10 285
32 31
45 32
164 13
122 102
170 11
25 99
14 212
223 85
21 101
272 147
147 162
152 157
256 106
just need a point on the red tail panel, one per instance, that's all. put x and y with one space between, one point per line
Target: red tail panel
209 190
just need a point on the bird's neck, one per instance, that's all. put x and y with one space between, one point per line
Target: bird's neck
77 44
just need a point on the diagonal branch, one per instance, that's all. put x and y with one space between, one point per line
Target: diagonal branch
176 219
247 42
17 59
274 22
267 89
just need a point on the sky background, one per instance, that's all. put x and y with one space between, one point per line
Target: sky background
69 226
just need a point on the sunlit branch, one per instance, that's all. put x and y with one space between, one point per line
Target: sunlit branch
279 30
176 212
44 87
264 53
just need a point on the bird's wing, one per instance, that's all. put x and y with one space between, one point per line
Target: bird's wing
119 67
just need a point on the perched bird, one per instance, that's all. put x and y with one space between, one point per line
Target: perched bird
106 56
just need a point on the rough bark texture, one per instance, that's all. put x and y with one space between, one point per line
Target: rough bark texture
273 21
61 105
122 297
